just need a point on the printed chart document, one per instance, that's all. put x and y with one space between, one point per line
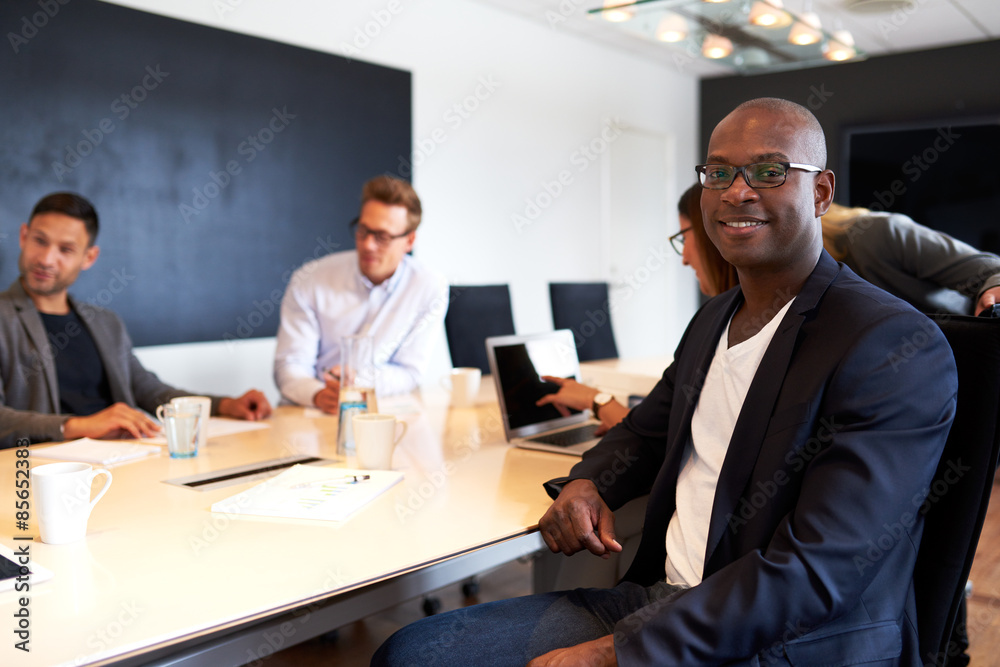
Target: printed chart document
101 452
311 492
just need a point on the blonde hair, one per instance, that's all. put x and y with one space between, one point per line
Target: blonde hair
836 224
394 192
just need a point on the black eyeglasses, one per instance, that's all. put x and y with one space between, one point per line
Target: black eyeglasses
381 238
677 240
758 175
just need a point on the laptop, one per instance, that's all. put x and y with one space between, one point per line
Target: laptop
518 364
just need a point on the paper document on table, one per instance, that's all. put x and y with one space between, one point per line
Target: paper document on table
102 452
218 427
311 492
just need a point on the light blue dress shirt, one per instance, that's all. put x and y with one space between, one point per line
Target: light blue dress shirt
329 298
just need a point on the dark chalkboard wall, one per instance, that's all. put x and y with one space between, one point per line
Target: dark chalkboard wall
218 163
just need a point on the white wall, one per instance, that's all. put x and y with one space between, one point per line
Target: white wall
530 98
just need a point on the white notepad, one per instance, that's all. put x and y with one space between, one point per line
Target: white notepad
101 452
311 492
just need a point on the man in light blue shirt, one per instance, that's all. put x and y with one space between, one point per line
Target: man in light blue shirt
377 289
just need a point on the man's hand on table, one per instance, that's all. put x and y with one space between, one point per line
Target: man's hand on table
117 421
579 519
577 396
251 406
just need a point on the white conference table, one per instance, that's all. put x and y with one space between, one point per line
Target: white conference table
160 579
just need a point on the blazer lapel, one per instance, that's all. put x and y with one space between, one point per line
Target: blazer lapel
692 367
33 327
755 415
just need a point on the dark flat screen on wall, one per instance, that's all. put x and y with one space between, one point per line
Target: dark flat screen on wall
937 173
218 162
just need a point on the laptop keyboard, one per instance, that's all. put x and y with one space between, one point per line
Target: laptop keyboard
569 437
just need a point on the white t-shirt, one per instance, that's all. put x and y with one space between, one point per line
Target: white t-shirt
726 385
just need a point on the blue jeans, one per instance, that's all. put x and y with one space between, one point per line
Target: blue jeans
513 632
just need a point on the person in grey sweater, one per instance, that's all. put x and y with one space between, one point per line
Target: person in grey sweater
928 268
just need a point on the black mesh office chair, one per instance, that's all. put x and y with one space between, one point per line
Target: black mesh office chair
583 309
476 312
957 507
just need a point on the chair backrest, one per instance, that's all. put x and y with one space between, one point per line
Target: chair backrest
583 309
476 312
960 493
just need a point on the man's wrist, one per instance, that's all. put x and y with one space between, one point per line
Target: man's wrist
600 400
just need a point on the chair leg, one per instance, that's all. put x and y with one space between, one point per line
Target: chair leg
431 605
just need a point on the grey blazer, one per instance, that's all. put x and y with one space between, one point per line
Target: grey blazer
29 390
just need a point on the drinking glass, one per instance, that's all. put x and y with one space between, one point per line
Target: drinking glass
357 387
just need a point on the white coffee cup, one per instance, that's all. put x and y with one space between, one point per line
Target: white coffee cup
62 499
464 386
375 438
204 406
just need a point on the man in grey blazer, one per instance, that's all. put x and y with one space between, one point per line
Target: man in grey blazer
66 368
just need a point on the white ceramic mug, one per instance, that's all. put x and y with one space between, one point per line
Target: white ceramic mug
62 499
464 386
204 405
375 438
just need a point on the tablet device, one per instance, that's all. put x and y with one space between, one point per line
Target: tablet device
10 570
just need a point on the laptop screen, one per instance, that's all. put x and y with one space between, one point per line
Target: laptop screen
518 364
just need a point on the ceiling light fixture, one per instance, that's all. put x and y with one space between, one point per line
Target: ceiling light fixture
617 11
722 32
807 30
769 14
840 46
716 46
672 28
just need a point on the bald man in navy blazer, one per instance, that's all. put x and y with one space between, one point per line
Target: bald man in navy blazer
786 451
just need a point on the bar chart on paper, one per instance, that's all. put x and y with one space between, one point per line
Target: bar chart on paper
311 492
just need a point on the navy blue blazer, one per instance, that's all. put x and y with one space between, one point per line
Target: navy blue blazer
814 527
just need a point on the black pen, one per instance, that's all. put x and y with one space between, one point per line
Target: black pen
346 479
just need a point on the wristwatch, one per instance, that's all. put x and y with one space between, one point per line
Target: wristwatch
600 401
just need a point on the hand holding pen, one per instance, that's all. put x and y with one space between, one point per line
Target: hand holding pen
327 399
